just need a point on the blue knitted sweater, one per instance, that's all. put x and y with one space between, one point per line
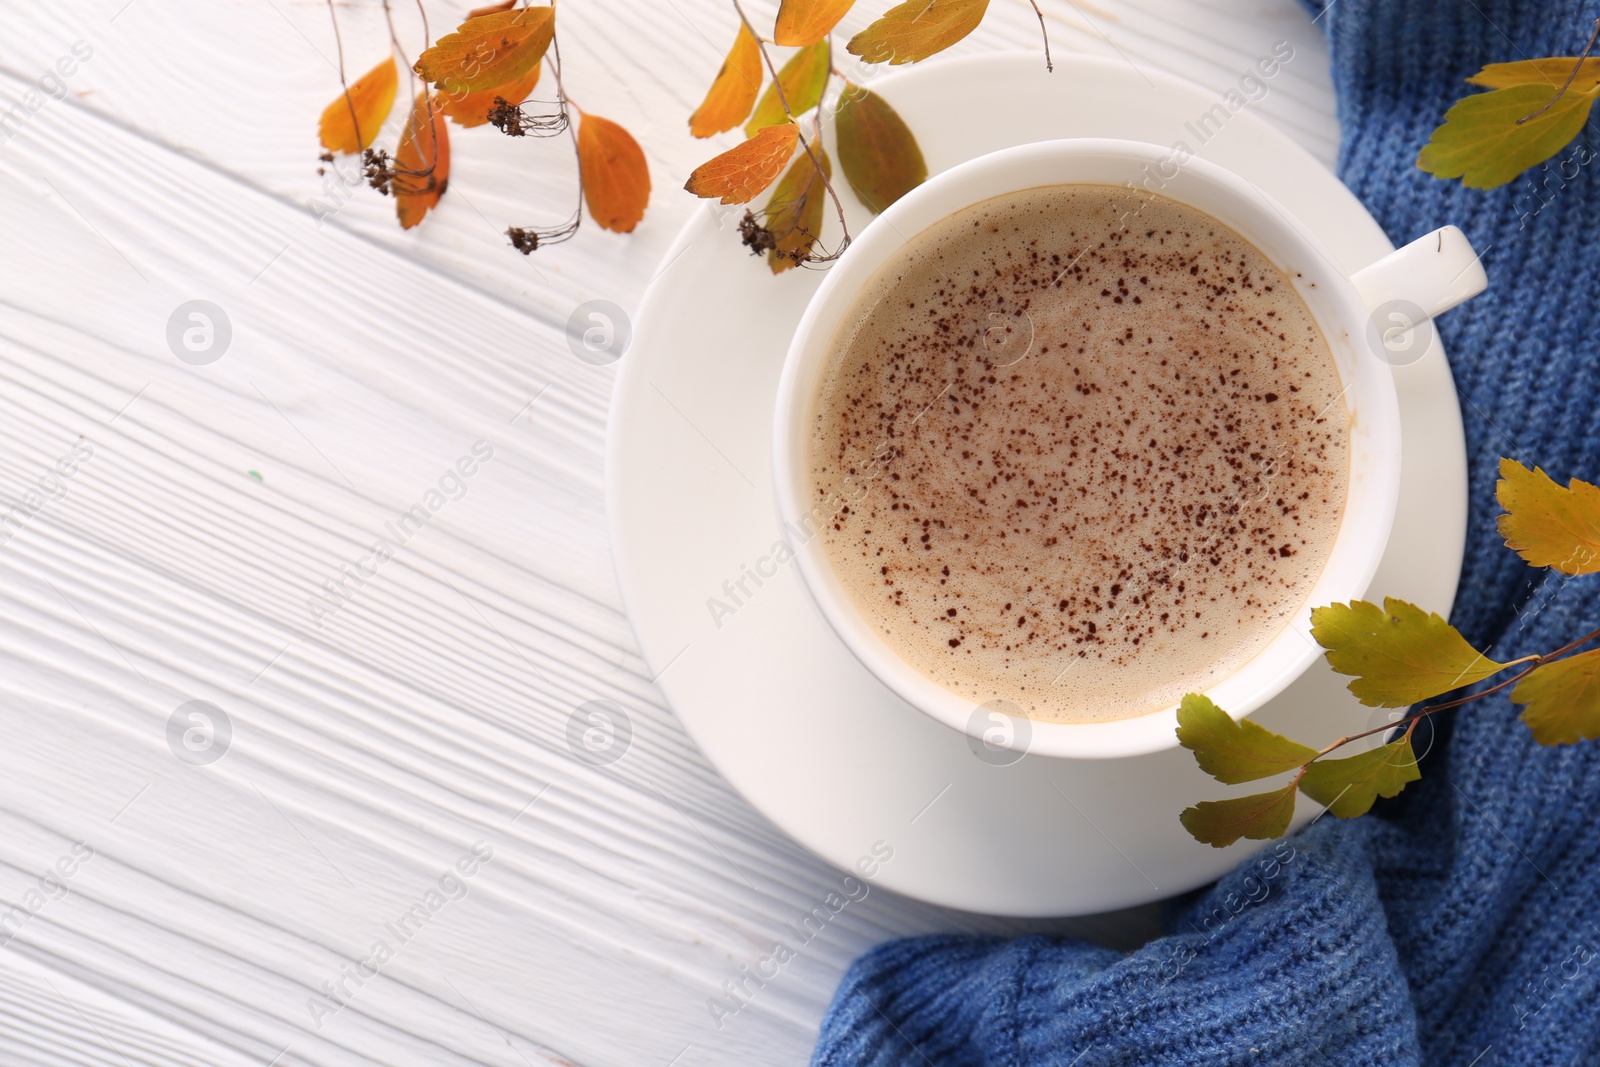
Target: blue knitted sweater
1458 924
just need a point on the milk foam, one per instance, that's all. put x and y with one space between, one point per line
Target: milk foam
1098 460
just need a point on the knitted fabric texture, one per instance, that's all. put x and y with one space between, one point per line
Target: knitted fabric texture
1458 924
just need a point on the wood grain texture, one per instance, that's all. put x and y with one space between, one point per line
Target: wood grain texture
375 746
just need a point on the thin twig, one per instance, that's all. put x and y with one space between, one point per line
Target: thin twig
562 101
827 75
1593 37
1535 662
338 42
433 130
528 239
1050 68
1564 649
783 99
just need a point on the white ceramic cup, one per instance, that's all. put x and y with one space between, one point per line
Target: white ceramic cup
1367 320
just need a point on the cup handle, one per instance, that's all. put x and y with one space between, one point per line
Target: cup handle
1427 277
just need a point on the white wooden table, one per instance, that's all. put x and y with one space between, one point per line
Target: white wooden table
225 909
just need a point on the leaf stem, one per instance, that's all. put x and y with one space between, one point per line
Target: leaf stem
1576 67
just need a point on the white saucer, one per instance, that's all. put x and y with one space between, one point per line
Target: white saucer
781 708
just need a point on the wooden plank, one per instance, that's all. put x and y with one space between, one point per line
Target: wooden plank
430 711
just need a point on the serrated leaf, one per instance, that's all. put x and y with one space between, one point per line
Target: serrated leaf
472 109
803 22
1562 699
1397 654
917 29
877 151
803 79
1260 817
1349 787
421 162
733 91
351 122
1547 525
1552 72
738 175
616 179
1235 751
794 213
1482 143
489 50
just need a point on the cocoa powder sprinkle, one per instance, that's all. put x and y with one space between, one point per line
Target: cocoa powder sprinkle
1126 500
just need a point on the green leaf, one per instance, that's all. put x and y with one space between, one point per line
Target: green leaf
1483 144
794 213
1260 817
1398 654
1562 699
803 79
1348 787
917 29
877 152
1235 751
1546 525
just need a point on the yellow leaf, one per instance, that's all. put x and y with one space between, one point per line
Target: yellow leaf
1483 144
733 92
1349 787
472 109
794 214
917 29
738 175
616 179
421 162
1234 751
803 22
1546 525
489 50
1219 823
492 9
1562 699
351 122
880 157
803 79
1552 72
1398 654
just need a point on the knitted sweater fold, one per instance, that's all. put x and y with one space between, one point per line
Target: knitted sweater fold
1458 924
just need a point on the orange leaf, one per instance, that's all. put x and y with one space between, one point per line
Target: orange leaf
351 122
917 29
794 214
616 179
489 50
421 162
472 109
733 93
803 22
492 9
740 173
